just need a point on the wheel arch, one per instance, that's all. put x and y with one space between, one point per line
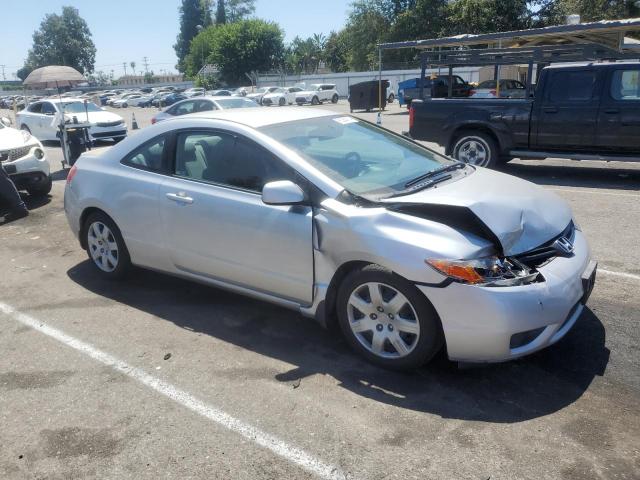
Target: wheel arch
86 213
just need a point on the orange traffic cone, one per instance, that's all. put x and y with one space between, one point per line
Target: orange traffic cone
134 124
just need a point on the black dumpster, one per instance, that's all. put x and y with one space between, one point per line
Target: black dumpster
365 95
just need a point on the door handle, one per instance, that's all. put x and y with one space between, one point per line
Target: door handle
180 197
612 110
550 110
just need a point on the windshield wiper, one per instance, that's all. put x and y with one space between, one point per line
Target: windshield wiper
434 173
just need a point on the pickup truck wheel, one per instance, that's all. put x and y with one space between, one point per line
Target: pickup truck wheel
476 148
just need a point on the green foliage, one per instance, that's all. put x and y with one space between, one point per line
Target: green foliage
221 13
229 11
482 16
336 52
237 48
194 14
61 40
304 56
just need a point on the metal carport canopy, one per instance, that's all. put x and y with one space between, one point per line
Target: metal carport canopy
610 33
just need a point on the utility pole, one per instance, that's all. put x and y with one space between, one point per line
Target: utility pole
124 65
3 76
146 64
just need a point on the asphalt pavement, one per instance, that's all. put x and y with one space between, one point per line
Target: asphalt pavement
157 377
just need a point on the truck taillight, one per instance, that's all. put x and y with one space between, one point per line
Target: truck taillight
412 113
71 174
472 92
493 92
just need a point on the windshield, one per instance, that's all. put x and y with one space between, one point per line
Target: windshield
235 102
78 107
365 159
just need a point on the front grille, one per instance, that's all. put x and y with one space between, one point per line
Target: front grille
118 133
15 153
109 124
546 252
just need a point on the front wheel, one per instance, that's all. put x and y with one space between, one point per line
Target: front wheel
41 190
282 102
387 319
476 148
315 101
105 246
334 99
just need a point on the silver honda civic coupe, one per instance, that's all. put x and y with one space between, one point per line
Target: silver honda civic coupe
406 250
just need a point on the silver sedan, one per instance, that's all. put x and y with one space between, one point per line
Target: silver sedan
343 221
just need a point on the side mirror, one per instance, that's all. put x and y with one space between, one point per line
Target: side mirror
6 121
282 192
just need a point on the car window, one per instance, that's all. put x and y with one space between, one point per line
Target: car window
148 156
625 85
236 102
36 108
48 108
205 106
185 108
571 86
224 159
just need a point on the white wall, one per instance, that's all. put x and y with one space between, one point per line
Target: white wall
343 80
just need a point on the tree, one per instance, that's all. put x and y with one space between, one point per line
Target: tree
553 12
484 16
237 48
221 13
239 9
194 15
367 26
337 51
133 68
62 40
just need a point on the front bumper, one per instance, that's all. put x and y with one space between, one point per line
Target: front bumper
101 133
28 171
480 323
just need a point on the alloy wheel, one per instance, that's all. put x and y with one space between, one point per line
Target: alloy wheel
103 247
473 151
383 320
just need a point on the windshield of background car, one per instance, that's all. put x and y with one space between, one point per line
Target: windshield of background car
78 107
235 102
365 159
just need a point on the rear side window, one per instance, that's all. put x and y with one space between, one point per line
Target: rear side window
48 108
625 85
148 156
572 86
36 108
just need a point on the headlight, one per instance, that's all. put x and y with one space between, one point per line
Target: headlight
38 153
487 271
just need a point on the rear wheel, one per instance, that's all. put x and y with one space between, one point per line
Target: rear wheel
391 98
105 246
476 148
315 101
334 99
387 319
282 102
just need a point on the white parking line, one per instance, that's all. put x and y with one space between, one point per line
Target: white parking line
595 192
274 444
619 274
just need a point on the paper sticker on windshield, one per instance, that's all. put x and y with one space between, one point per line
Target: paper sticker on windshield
345 120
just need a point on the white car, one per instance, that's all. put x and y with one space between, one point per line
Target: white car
194 92
41 119
259 93
203 104
281 96
23 158
127 100
136 101
318 93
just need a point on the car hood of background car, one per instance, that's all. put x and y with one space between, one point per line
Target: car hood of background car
13 138
520 215
96 117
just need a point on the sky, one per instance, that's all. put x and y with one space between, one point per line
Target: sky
129 30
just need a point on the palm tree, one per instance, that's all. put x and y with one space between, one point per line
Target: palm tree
133 67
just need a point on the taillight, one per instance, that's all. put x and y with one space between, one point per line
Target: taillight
71 174
472 92
493 92
412 113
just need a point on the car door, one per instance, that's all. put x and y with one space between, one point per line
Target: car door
568 112
48 121
619 115
217 226
30 118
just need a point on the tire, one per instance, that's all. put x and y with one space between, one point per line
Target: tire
391 98
124 105
476 148
93 232
25 128
335 98
401 335
43 190
282 102
315 101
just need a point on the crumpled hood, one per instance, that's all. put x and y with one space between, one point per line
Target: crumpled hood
14 138
520 214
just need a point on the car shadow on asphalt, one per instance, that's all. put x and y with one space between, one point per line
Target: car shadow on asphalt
575 176
515 391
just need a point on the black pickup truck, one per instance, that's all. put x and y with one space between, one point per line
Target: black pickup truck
589 111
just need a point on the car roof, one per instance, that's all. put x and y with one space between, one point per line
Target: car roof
261 117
